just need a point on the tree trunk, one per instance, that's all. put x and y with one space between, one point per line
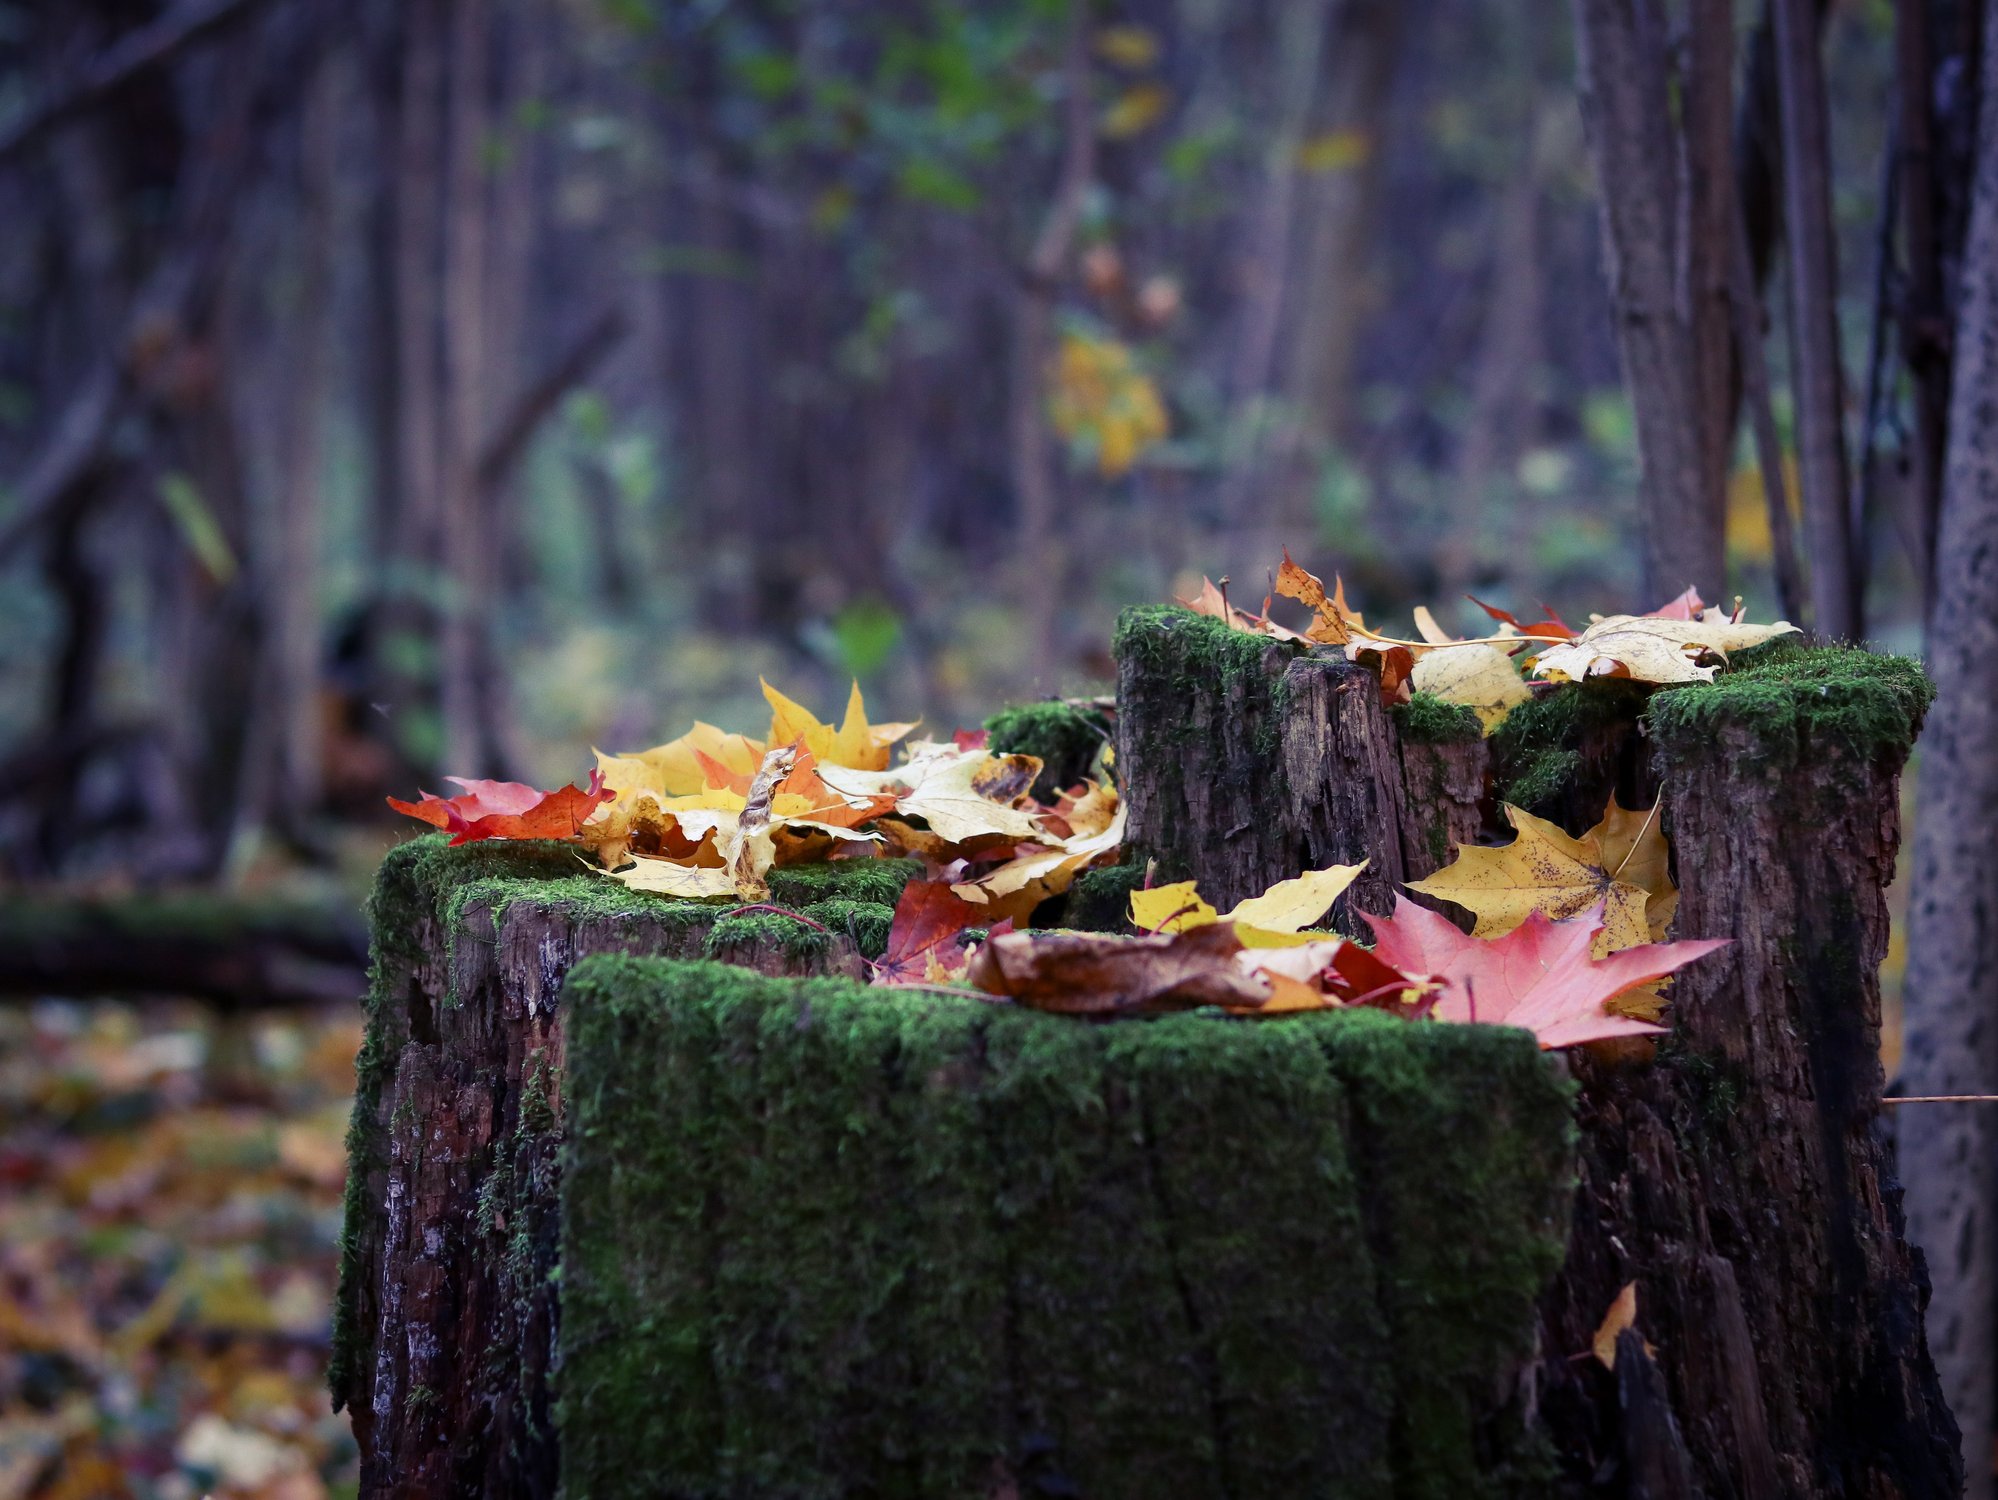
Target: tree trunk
1626 111
447 1313
1814 349
1737 1177
1948 1151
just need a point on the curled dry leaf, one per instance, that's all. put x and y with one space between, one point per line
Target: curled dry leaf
1337 622
1078 973
1649 649
750 850
508 809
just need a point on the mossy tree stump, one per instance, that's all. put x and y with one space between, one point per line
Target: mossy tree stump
447 1313
1737 1174
824 1240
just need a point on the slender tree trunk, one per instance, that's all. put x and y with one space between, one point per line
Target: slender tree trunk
469 548
1033 460
1706 269
1815 362
1626 112
1949 1153
293 600
1342 208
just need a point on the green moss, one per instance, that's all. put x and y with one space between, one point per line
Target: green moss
1191 645
820 1239
1536 751
1427 720
881 880
865 922
1788 699
1100 899
1065 737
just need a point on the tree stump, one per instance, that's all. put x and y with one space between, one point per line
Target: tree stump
1736 1176
447 1318
825 1240
1246 760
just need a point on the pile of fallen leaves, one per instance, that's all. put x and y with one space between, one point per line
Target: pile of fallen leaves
168 1249
1686 640
1567 934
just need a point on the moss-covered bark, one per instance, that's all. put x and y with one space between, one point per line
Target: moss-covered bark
825 1241
1738 1178
1066 737
1246 760
446 1316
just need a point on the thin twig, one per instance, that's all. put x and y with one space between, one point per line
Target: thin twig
775 911
1941 1099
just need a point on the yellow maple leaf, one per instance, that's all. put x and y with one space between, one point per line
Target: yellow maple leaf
856 743
1480 677
1621 863
1274 919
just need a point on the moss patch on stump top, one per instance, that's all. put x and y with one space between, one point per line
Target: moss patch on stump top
1788 699
822 1240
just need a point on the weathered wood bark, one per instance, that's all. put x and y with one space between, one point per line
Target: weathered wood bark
1443 799
1952 995
1246 761
1736 1176
447 1315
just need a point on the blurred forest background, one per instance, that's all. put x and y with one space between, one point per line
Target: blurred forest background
391 388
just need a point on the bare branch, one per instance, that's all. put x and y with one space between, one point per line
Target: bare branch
121 62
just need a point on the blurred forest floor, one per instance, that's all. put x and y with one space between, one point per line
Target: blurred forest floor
169 1216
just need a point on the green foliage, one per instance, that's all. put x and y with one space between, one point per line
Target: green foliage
819 1239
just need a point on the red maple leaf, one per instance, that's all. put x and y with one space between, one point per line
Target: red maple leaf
1550 628
1539 975
508 809
1686 607
928 920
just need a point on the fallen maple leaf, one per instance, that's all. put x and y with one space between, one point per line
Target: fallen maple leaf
856 743
1480 677
1274 919
1048 867
1686 607
1622 1314
1538 976
1086 973
508 809
923 940
1620 864
1550 627
961 794
1212 602
1649 649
